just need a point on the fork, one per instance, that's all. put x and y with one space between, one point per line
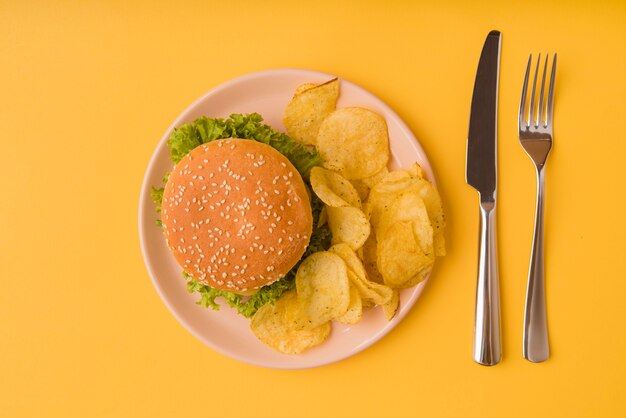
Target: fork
535 135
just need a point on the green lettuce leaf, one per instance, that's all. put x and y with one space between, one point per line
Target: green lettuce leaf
202 130
157 197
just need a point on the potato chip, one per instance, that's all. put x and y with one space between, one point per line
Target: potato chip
431 199
401 260
396 176
376 178
323 288
333 189
303 87
274 325
323 219
416 171
308 108
367 304
355 309
348 224
435 213
370 258
408 206
354 142
383 194
391 308
349 257
362 189
369 291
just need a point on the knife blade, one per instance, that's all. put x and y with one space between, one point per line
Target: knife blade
481 173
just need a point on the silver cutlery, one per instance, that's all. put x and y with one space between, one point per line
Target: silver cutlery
481 173
535 135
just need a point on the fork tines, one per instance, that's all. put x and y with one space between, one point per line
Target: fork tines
537 115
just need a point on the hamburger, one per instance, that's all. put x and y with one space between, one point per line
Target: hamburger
236 215
236 210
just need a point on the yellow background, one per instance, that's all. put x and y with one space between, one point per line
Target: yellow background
88 88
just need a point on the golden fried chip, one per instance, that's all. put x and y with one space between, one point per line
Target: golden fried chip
348 224
333 189
323 288
362 189
308 108
391 308
410 207
401 260
303 87
369 291
274 325
371 181
370 258
354 142
355 309
435 213
416 171
383 194
323 219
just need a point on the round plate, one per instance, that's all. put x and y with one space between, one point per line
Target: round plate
267 93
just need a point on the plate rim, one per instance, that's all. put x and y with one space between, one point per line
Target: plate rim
144 192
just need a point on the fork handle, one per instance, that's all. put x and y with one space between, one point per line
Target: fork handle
536 345
487 344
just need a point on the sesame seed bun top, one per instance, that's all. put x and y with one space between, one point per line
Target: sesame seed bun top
236 214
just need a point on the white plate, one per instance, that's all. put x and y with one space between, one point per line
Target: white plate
267 93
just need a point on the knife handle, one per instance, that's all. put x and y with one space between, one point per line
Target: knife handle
487 345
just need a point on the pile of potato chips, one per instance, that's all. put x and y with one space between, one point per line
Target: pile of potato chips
387 227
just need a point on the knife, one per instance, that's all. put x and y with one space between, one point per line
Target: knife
482 174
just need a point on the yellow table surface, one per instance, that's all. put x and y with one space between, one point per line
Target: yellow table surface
88 88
